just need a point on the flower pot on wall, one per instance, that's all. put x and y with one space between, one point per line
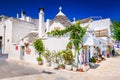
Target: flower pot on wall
28 50
70 47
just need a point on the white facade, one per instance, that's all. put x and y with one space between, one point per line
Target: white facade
20 29
56 25
12 30
54 43
6 34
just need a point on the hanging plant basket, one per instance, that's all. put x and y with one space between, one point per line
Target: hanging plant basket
28 51
26 44
69 45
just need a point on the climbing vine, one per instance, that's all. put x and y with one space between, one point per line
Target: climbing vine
76 34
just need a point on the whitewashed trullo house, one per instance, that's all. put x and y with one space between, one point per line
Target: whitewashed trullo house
27 29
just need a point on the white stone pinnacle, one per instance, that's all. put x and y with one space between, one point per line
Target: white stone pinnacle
60 12
60 8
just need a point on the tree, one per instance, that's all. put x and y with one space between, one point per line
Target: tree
115 28
39 47
76 35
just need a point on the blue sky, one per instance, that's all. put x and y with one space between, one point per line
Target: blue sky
71 8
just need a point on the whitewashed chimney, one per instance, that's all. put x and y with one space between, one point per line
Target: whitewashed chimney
17 15
47 25
41 22
23 15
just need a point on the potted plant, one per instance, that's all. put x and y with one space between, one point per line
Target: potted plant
47 56
92 62
68 58
86 67
74 67
28 50
39 47
69 45
39 59
80 69
55 60
62 66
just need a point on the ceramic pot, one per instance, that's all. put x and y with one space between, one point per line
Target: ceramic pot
68 67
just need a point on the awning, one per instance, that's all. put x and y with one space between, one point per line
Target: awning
90 40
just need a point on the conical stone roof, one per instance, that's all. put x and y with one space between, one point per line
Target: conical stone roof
61 18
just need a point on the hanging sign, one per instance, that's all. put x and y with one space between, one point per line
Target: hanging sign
16 47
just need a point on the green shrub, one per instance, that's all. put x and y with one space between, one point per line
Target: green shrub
93 60
47 55
68 56
39 47
39 59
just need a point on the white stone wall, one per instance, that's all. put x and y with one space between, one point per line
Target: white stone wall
54 43
6 35
56 24
15 54
14 31
2 35
32 56
21 29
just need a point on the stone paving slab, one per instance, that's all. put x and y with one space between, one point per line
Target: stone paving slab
108 70
8 70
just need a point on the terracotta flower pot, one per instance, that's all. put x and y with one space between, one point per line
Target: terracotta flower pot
40 62
62 67
70 47
28 51
80 70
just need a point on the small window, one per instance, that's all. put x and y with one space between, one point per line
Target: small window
56 28
7 40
